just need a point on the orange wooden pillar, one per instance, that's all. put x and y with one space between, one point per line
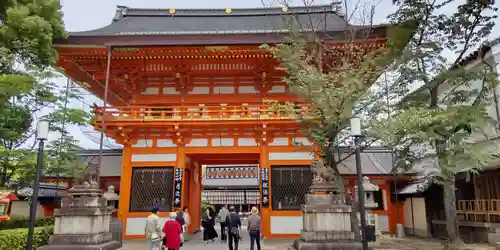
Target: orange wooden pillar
265 211
125 184
180 164
194 200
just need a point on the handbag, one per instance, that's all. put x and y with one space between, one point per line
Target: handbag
155 236
235 231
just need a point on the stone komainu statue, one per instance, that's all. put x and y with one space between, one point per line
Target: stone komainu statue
88 174
322 173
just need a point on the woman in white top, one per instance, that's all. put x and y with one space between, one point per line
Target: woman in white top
187 221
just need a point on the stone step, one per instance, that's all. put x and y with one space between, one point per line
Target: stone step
493 238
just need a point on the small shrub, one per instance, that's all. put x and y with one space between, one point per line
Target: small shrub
24 222
15 239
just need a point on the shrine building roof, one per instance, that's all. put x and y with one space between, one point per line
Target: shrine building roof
156 23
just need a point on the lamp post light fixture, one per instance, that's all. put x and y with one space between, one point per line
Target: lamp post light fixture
357 134
42 134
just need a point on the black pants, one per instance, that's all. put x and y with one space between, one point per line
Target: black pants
223 231
254 239
233 238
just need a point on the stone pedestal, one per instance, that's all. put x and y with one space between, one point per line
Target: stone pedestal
326 224
82 222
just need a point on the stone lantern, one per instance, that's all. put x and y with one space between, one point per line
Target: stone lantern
371 219
112 198
370 190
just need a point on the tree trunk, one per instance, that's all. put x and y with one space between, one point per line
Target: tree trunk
354 219
450 209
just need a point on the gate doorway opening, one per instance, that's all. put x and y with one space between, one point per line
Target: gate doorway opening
242 198
222 179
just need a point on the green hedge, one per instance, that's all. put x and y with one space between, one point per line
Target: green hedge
15 239
23 222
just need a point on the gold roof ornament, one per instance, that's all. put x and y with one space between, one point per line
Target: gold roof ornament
284 9
228 11
171 11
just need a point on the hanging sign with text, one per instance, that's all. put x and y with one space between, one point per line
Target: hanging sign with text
264 187
178 188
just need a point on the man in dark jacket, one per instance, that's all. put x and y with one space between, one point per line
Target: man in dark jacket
180 218
233 223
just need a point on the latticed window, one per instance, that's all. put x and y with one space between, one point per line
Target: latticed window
289 185
151 187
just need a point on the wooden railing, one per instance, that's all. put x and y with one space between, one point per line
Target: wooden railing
479 210
198 113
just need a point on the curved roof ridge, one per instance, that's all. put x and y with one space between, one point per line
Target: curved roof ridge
124 11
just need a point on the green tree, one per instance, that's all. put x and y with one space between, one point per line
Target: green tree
27 30
335 87
446 118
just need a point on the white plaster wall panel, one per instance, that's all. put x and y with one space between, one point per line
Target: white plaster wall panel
199 90
277 89
276 156
165 143
383 222
247 90
135 226
279 142
143 144
111 165
154 157
254 109
286 224
418 216
246 142
151 91
170 91
384 198
224 90
198 143
302 141
223 142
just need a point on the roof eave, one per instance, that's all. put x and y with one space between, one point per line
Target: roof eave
378 32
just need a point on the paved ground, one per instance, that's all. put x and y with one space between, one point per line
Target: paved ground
387 243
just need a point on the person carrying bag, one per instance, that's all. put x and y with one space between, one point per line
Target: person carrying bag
233 223
153 230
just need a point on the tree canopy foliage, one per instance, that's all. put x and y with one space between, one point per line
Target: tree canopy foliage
448 116
426 45
27 88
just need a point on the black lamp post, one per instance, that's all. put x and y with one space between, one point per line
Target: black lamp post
356 132
41 135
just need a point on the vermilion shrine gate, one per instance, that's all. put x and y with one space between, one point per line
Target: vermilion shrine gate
187 87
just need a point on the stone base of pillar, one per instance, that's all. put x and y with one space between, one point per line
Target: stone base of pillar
302 245
113 245
326 224
82 222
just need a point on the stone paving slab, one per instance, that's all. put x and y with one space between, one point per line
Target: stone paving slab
386 243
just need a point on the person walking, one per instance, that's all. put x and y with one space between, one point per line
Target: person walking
208 223
153 230
187 220
172 230
254 222
179 217
223 214
233 222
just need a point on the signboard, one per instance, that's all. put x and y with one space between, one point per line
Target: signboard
264 187
231 172
178 187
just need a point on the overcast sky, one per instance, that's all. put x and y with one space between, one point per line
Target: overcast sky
92 14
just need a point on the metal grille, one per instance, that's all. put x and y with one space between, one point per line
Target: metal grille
289 185
151 187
